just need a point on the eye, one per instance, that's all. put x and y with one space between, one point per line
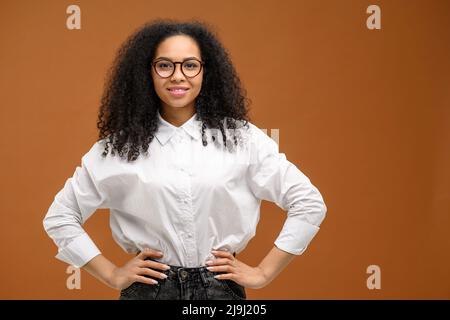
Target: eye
191 65
163 65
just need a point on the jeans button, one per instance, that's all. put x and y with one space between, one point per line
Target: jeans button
183 274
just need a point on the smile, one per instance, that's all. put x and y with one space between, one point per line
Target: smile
177 92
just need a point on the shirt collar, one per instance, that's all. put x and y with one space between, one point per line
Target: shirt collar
166 129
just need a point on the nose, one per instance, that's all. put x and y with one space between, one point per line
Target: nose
177 74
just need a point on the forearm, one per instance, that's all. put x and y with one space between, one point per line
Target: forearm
101 268
274 262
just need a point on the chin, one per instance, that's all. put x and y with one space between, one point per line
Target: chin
178 105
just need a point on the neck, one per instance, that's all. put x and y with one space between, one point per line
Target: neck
177 116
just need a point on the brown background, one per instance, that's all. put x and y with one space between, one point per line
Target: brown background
364 113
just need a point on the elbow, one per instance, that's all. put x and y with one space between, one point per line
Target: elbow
50 219
321 207
46 224
323 211
52 222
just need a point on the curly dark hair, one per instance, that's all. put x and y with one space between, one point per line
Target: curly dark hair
128 112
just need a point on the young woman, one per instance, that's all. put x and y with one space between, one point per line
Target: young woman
188 201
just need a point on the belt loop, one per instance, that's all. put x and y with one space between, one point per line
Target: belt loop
204 278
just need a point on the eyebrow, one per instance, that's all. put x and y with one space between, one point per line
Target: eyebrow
183 59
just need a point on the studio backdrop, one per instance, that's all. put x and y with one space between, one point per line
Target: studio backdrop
355 93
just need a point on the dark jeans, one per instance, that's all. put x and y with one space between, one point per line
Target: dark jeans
185 284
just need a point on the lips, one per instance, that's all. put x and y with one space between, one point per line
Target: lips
178 91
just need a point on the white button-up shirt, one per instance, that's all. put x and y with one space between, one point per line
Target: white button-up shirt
185 199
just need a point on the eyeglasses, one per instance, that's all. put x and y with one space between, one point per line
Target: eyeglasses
190 68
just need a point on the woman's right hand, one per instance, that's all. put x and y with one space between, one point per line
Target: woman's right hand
135 269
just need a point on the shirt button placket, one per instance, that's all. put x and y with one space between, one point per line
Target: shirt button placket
185 196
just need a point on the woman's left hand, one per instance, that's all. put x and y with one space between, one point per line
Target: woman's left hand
239 272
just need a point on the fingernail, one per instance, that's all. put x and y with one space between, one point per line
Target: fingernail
166 267
163 275
154 281
209 262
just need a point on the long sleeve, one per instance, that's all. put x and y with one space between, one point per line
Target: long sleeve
72 206
273 178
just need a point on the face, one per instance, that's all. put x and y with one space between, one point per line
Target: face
177 48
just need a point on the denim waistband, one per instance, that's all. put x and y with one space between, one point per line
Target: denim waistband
187 274
190 269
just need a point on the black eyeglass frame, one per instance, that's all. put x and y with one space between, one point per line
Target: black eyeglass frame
175 66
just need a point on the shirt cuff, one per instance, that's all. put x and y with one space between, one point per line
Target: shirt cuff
296 236
79 251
